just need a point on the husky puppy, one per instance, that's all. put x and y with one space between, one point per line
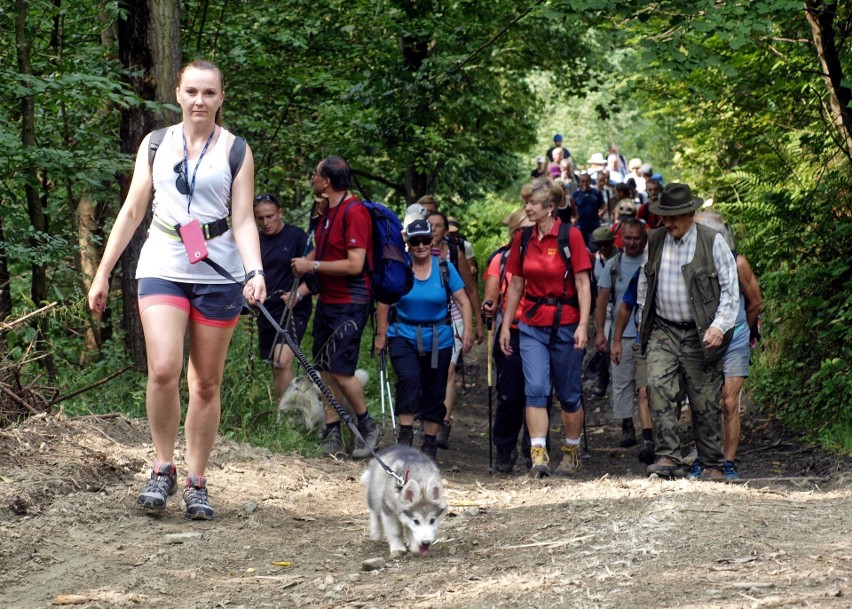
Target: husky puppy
408 517
302 398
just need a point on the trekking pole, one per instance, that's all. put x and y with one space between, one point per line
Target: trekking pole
382 386
489 322
585 454
390 395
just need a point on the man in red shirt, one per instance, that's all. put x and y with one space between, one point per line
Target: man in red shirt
341 259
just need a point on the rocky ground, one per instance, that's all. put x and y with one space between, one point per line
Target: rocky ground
292 531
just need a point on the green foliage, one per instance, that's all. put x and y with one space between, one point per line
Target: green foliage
798 238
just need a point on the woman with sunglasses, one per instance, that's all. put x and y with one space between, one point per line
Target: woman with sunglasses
198 205
554 325
418 335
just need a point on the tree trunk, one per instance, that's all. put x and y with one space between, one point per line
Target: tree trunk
35 208
149 46
821 17
5 294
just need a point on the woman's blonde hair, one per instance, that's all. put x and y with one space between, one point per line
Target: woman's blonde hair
543 190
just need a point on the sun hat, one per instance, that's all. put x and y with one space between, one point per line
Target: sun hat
597 159
515 219
602 235
677 199
635 163
415 209
418 228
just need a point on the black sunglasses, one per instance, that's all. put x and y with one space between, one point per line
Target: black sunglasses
181 182
266 198
415 241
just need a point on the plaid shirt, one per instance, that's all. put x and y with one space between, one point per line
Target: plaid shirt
672 300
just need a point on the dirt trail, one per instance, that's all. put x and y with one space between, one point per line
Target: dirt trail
291 532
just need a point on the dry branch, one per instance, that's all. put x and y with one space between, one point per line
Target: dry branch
92 386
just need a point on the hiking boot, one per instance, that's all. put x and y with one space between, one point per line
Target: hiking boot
195 496
665 468
711 473
332 442
370 433
570 460
506 460
647 453
444 435
405 435
540 462
695 470
690 457
430 447
161 485
729 469
628 434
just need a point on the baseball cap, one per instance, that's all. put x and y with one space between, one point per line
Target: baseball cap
452 225
557 137
419 228
540 159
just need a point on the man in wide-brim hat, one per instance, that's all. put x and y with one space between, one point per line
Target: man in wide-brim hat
688 295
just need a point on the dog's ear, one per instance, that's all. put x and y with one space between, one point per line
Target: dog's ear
433 490
410 493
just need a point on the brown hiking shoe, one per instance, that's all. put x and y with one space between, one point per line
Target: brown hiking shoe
540 462
570 460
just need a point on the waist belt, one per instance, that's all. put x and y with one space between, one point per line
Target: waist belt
573 301
418 336
680 325
210 230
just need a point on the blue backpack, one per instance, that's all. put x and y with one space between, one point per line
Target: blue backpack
391 275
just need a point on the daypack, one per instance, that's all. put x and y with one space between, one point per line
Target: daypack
391 276
235 158
561 239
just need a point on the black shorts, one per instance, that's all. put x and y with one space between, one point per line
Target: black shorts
267 335
337 336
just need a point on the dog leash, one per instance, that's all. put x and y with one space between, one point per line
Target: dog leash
315 377
327 393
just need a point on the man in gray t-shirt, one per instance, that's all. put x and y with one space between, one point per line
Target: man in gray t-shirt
612 285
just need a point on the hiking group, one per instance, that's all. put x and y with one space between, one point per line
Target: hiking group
673 305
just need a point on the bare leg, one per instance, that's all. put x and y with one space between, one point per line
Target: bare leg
644 411
164 327
207 350
450 397
731 391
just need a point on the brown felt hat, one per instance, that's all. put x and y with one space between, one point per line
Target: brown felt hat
676 200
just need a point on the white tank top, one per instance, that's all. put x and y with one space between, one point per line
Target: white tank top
164 257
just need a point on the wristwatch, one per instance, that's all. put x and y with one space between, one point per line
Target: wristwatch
316 265
251 274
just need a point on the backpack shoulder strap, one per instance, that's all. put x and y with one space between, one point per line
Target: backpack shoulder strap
613 275
445 280
154 143
564 245
237 155
526 235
